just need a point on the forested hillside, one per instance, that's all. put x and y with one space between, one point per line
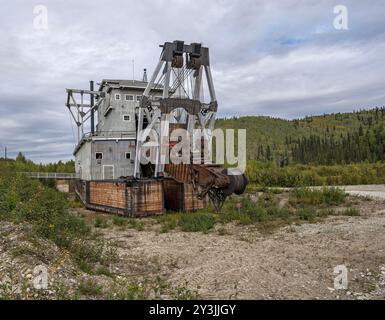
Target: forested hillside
326 139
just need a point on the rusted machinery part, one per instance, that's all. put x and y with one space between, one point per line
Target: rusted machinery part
177 61
194 63
238 182
217 198
210 175
210 179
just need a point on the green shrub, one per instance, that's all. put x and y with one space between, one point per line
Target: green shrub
132 223
184 293
23 199
47 211
104 270
168 221
136 224
307 214
326 196
119 221
333 196
197 221
100 222
84 251
264 209
267 174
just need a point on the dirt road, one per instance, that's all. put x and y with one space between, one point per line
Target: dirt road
373 191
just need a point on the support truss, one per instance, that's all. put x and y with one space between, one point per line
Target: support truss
179 72
81 112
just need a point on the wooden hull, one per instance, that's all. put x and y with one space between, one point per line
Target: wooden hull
138 198
135 198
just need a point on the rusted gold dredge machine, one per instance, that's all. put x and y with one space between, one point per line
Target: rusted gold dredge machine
125 164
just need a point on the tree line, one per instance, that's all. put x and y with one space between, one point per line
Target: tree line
359 146
22 164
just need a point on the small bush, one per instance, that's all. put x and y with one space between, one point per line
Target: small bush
100 222
184 293
83 251
307 214
326 196
64 293
130 222
333 196
103 270
136 224
263 210
168 221
198 221
119 221
87 254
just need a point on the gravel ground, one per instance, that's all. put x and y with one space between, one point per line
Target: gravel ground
295 262
231 261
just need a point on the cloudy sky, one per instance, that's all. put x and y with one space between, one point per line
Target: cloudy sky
279 58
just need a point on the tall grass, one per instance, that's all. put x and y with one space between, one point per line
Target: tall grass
315 197
200 221
253 211
267 174
264 211
23 199
47 211
189 222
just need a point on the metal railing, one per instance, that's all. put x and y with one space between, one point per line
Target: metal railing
109 134
105 135
52 175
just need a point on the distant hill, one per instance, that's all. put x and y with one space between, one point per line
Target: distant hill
325 139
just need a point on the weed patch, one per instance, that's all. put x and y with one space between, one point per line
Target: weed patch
315 197
100 222
198 221
89 288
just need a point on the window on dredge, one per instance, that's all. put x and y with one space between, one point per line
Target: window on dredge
98 155
117 96
129 97
126 117
128 155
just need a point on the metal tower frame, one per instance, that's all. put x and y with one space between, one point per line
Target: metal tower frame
82 112
181 102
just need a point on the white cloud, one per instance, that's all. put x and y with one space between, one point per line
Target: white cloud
323 74
275 58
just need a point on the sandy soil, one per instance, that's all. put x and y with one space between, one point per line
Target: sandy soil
294 262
